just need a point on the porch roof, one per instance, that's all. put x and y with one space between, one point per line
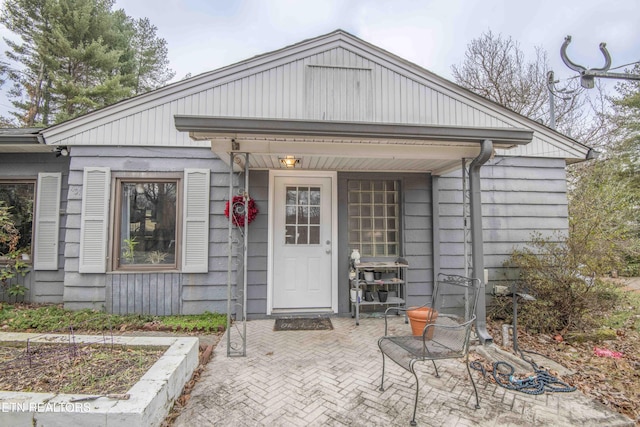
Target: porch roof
347 146
22 140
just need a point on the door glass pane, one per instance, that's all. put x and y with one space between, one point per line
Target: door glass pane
290 235
292 196
303 235
302 208
314 215
314 235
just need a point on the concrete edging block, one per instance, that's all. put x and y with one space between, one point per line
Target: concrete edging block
150 399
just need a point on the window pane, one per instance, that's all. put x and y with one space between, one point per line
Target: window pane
19 198
291 215
290 237
303 215
373 217
314 235
302 209
303 235
148 223
314 215
314 196
292 196
303 194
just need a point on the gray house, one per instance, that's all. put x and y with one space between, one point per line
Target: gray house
339 144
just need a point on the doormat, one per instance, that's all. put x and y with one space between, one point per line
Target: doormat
303 324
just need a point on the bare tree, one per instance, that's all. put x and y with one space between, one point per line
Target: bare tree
495 68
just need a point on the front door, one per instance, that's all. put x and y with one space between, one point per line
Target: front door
302 243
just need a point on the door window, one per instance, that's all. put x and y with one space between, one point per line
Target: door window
302 215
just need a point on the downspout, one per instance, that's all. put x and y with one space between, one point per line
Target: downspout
435 225
477 242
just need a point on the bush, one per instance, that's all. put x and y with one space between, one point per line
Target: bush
568 296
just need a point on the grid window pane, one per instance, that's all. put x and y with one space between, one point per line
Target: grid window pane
373 217
302 209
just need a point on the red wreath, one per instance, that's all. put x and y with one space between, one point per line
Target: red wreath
238 211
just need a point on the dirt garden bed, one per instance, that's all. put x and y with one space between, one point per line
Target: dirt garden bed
75 369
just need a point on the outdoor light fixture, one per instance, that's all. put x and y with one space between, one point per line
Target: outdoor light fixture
289 161
62 151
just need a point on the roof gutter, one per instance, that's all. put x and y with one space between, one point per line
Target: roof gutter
21 139
477 242
312 128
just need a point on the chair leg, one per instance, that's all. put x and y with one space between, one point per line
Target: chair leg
474 386
383 366
415 403
436 368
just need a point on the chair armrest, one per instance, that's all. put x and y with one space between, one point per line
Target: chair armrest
466 326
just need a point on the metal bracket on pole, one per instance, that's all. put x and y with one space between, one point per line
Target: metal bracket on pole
587 76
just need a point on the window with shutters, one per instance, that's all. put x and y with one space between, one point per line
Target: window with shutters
19 196
147 224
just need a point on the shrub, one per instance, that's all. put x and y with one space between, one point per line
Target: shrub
568 295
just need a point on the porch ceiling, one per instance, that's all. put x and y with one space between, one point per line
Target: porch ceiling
347 146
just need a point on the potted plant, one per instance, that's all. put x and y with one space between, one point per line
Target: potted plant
419 318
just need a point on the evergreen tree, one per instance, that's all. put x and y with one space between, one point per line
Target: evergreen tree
31 84
150 58
78 55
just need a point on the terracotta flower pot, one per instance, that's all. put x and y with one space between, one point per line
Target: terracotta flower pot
419 317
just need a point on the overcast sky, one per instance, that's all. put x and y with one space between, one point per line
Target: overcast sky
203 35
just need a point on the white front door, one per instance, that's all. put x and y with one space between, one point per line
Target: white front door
302 243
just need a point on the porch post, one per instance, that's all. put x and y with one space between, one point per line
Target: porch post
477 241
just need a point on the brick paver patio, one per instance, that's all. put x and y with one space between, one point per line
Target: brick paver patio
331 378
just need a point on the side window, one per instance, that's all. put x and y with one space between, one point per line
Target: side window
374 210
19 197
146 226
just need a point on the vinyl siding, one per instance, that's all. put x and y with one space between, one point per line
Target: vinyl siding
416 234
520 196
153 292
337 81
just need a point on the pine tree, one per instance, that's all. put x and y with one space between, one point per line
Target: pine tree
75 56
31 84
150 57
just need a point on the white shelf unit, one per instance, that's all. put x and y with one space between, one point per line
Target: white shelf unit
396 283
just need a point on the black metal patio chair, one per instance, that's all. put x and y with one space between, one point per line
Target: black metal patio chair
446 334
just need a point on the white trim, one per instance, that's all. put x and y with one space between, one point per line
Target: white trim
273 173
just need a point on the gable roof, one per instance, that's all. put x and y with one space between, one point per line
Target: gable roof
308 80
